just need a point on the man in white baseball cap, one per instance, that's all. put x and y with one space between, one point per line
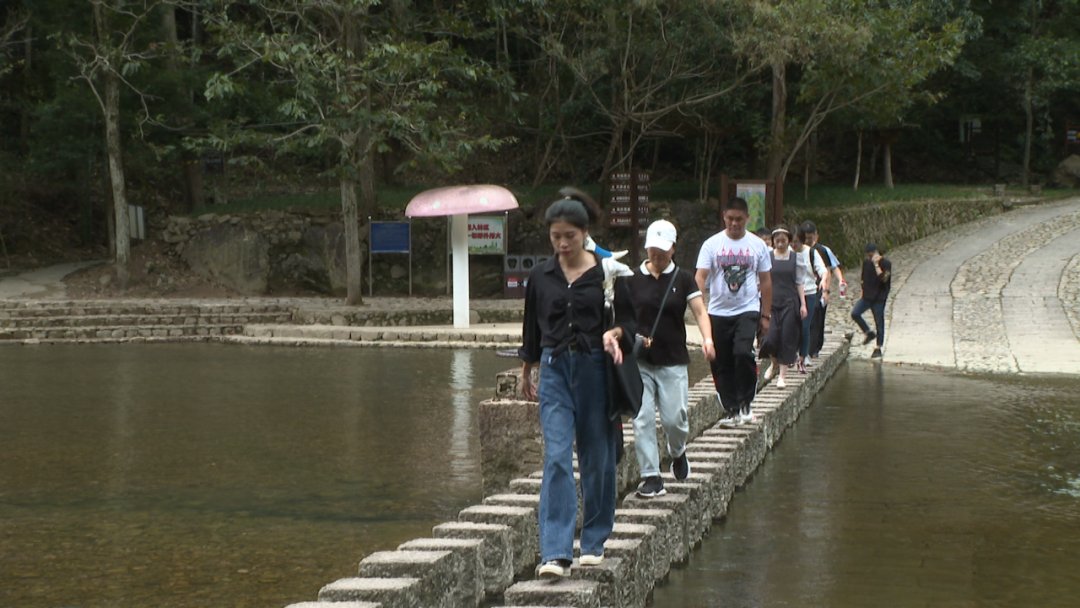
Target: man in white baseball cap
660 293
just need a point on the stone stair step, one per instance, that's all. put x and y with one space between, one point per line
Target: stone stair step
129 320
118 333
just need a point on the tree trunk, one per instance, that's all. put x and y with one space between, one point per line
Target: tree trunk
116 178
1029 125
189 165
352 241
859 160
886 163
874 151
778 123
27 71
355 163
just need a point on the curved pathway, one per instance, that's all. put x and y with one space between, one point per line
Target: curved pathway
41 283
998 295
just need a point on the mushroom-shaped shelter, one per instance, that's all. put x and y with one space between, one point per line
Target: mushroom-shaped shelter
458 202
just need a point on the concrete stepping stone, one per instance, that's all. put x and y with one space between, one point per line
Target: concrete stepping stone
523 524
469 590
435 569
564 592
496 552
387 592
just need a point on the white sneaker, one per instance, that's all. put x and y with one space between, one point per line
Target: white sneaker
770 372
730 421
780 383
746 417
591 560
807 362
556 568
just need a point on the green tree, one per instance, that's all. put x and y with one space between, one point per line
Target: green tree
641 66
108 60
838 54
352 76
1045 60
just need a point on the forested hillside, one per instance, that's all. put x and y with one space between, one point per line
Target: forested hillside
174 105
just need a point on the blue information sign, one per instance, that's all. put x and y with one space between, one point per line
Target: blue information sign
390 237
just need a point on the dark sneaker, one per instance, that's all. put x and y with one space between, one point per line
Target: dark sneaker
651 487
876 354
680 467
556 568
869 338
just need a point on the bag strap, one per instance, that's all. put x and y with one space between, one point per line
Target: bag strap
663 300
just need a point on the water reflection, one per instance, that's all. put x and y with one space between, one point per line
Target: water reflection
905 487
462 461
210 475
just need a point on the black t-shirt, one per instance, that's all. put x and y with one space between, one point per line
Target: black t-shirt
874 289
669 343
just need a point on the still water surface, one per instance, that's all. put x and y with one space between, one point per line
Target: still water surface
904 487
210 475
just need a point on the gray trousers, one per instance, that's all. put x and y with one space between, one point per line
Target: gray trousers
666 390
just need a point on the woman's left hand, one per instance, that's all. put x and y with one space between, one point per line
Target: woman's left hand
611 344
802 311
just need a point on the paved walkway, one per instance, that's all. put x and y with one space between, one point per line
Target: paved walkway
998 295
41 283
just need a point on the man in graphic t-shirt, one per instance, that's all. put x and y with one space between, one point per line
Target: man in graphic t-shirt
733 267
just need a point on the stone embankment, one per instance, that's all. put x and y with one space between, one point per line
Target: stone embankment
282 321
490 552
49 321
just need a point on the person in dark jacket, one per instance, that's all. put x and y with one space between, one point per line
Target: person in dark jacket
876 282
567 329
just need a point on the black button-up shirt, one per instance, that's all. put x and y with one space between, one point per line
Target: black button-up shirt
563 315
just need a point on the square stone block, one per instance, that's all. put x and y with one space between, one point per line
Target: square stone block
637 572
387 592
435 569
496 553
651 548
616 584
668 536
565 592
469 590
523 523
677 504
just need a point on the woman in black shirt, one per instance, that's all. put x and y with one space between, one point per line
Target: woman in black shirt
566 331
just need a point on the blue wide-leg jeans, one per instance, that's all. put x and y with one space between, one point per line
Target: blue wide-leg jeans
573 406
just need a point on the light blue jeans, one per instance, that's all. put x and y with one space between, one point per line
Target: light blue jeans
573 407
666 386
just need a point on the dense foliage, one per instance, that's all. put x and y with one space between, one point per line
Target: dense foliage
221 99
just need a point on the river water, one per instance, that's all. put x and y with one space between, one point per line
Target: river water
903 487
193 475
211 475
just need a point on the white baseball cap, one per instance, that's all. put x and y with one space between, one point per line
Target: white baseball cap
660 234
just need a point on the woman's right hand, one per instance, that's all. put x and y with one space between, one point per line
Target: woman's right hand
528 388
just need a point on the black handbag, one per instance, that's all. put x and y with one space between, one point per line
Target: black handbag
624 383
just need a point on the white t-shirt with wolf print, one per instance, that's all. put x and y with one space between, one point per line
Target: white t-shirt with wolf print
733 267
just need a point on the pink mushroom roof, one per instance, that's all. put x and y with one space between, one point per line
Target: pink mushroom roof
458 200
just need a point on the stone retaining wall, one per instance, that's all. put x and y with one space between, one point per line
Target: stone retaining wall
495 543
